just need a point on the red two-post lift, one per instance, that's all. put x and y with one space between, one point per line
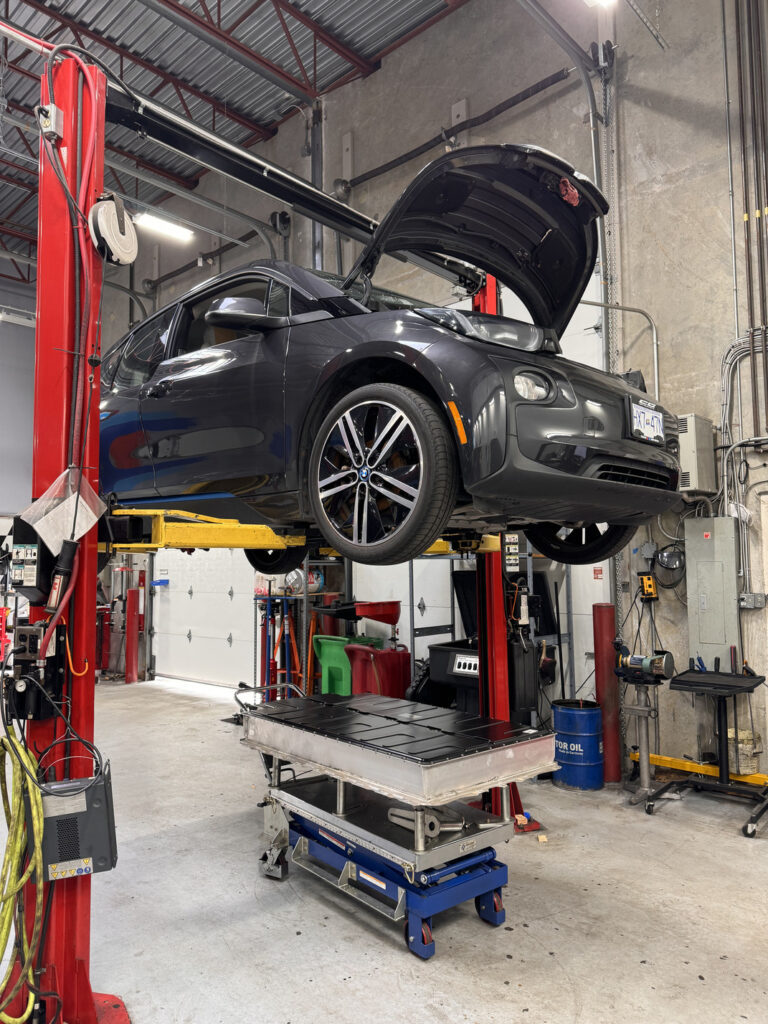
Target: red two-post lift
67 397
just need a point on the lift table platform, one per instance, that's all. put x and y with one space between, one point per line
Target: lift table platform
379 762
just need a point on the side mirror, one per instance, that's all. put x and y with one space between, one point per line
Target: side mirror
243 312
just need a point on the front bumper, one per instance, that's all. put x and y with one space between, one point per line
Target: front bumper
572 459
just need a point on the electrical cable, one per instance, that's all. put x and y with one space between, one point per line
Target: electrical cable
69 734
14 876
72 669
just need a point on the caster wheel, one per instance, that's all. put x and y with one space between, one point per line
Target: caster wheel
649 807
750 830
490 908
426 934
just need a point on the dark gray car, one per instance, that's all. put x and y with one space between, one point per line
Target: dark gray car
272 394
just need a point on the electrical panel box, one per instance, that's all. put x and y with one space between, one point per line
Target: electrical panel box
79 828
31 563
711 574
24 699
697 454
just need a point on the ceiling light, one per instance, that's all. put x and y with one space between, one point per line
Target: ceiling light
12 316
163 227
599 3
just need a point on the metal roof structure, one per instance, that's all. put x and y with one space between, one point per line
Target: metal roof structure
239 67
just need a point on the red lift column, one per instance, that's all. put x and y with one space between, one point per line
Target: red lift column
67 949
492 615
132 635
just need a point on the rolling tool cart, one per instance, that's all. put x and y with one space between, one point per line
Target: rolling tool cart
380 814
721 686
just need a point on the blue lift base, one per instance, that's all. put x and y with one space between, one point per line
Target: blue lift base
386 887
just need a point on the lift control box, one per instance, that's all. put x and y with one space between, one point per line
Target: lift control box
25 699
79 828
31 563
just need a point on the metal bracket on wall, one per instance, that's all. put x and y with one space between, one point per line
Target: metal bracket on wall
231 593
189 635
229 639
191 591
421 605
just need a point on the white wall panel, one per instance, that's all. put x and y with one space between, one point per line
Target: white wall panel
17 373
210 616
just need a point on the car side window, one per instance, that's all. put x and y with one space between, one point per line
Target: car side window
196 334
144 351
279 300
110 361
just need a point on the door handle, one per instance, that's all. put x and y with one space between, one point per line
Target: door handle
158 390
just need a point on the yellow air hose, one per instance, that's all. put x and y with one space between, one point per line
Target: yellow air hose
14 877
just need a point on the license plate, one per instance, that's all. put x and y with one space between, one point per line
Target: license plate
647 424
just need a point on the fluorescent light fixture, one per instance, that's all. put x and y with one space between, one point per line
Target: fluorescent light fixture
163 227
13 316
599 3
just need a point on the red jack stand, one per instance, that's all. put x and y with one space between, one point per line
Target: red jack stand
66 954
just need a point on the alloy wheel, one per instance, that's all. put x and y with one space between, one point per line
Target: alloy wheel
370 472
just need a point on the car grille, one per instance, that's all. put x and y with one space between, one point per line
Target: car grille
640 476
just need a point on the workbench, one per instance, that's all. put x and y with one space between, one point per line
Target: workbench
721 686
369 793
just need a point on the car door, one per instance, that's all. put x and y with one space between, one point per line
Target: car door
213 412
125 460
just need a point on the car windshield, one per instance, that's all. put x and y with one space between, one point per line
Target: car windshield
379 300
498 330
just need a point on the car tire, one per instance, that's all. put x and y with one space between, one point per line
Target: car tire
579 545
383 476
274 561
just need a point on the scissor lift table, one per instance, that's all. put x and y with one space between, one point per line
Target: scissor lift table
380 812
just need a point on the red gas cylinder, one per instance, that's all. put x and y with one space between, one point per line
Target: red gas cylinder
386 672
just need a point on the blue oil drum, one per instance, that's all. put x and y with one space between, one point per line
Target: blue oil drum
578 743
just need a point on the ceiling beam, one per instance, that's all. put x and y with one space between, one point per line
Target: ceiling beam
364 66
225 109
16 182
6 229
227 44
449 8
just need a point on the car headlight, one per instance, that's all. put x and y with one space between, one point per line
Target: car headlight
532 386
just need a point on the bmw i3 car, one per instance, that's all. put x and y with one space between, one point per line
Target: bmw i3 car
377 423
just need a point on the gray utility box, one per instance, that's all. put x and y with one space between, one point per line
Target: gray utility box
79 828
712 577
697 454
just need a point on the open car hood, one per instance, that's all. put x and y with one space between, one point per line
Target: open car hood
517 212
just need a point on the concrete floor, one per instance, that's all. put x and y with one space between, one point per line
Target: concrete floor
618 917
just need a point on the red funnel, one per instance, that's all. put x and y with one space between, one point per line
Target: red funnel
380 611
